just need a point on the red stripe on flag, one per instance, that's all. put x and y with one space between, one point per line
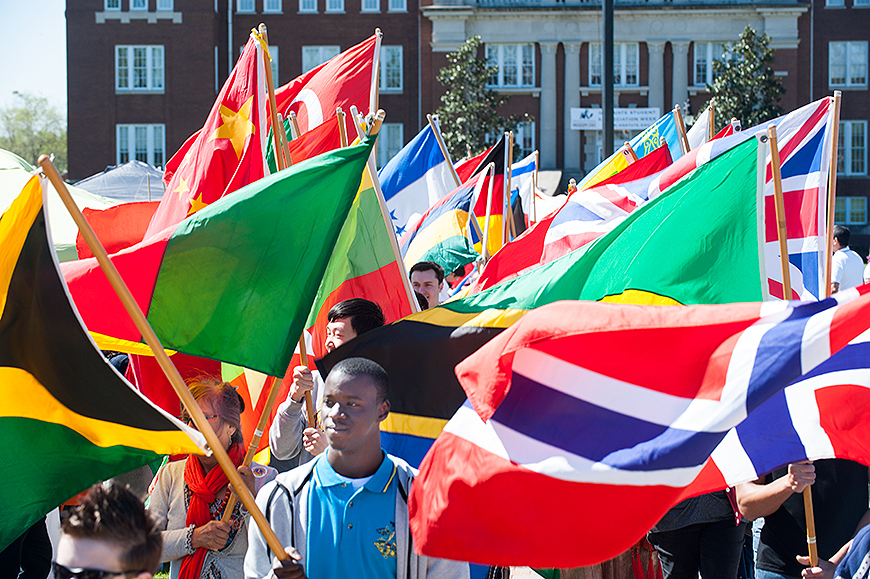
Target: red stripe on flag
843 413
801 214
617 199
462 507
846 318
523 252
776 290
805 130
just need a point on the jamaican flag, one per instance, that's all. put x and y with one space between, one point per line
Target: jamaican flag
67 418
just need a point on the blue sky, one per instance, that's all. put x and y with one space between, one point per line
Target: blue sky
33 45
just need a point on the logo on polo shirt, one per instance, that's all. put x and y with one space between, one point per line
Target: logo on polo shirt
386 545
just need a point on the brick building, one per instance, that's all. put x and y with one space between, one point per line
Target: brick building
144 73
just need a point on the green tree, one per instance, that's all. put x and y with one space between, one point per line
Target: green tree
30 126
469 112
744 85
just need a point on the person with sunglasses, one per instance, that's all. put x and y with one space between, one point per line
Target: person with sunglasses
188 497
108 535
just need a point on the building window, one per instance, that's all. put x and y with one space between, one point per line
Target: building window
273 6
335 5
835 3
273 52
704 55
139 68
626 59
851 210
524 137
398 6
113 4
391 69
314 56
138 4
245 6
144 143
852 150
859 3
847 64
389 142
371 6
307 5
515 62
165 5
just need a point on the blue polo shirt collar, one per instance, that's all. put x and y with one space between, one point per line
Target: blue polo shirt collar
325 475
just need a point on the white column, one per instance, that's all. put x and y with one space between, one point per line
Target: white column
681 72
548 104
656 83
572 100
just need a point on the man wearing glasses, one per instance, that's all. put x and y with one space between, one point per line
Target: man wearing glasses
108 535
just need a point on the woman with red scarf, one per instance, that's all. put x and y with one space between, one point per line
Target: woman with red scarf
189 496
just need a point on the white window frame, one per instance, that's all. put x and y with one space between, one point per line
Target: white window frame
623 53
335 6
388 82
852 64
324 53
155 68
272 6
704 53
370 6
165 5
850 211
397 5
246 6
390 141
155 143
852 153
524 137
112 5
308 6
501 55
138 5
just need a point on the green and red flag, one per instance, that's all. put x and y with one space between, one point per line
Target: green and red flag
228 152
235 281
67 418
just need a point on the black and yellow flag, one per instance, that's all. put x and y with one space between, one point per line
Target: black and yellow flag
67 418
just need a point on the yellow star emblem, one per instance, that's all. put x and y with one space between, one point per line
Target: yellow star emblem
183 187
236 125
196 204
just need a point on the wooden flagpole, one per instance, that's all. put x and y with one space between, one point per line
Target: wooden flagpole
629 153
786 287
510 226
376 184
832 191
285 146
162 359
535 188
374 91
433 122
780 212
681 129
273 107
294 124
711 122
342 126
273 385
485 242
309 403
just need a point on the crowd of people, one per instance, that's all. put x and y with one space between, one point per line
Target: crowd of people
340 507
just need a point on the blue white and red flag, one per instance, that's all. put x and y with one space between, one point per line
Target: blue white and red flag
582 438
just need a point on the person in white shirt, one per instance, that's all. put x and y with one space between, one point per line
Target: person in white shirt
847 267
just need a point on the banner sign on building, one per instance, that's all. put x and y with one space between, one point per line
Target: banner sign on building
624 119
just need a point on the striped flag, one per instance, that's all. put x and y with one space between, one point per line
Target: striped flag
415 179
555 410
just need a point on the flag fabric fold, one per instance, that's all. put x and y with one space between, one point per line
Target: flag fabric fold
235 281
68 419
554 410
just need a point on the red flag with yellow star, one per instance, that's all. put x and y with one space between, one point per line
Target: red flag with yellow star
228 152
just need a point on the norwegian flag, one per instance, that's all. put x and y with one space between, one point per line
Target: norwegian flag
804 140
555 411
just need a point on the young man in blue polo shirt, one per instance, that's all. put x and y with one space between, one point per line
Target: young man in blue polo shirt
345 514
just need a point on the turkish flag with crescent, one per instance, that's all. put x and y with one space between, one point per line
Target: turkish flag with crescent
227 153
342 81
